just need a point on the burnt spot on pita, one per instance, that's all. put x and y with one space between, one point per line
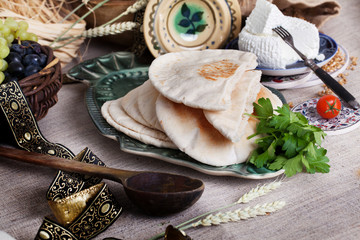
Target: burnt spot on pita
220 69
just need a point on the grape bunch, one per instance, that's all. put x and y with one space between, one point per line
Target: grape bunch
24 59
11 32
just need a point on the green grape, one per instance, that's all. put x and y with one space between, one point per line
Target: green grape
2 77
4 51
3 41
23 36
11 23
10 38
5 30
32 37
17 33
23 25
10 30
3 65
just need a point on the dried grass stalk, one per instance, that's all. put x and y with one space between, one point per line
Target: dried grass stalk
239 214
44 17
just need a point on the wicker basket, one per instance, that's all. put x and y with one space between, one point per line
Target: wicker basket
41 88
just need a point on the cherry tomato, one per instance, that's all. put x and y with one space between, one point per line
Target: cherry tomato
328 106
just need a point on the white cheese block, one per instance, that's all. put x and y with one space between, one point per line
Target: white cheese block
263 18
272 52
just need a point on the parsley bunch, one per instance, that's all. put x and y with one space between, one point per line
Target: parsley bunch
287 141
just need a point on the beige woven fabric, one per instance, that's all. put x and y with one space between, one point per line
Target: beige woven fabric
320 206
314 11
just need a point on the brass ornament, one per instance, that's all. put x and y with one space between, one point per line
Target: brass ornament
66 210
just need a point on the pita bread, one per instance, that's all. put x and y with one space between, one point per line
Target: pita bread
195 136
129 103
231 122
146 100
266 93
114 114
200 79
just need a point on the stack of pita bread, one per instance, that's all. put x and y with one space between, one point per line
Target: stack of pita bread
195 101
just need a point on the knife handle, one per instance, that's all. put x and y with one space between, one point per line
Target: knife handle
336 87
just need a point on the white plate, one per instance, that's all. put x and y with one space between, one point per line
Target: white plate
285 82
314 80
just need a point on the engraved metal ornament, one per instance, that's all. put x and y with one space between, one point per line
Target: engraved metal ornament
66 184
49 230
102 212
23 124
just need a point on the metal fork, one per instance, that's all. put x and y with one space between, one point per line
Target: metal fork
336 87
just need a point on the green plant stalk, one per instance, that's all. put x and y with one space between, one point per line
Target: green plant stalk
72 12
80 19
63 45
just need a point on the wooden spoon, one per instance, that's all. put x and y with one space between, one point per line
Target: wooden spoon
155 193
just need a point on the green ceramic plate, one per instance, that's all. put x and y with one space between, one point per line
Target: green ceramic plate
111 77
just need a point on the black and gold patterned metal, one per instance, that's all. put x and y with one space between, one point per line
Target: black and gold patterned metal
23 125
98 216
18 126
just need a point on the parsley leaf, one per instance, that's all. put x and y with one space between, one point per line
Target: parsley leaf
263 108
290 144
287 141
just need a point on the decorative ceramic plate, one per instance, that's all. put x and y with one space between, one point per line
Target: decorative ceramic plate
346 121
111 77
177 25
285 82
328 47
314 80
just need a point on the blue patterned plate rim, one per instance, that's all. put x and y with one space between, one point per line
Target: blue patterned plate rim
346 121
112 76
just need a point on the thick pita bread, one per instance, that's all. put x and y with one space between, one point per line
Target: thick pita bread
146 100
190 131
200 79
195 136
129 104
231 122
114 114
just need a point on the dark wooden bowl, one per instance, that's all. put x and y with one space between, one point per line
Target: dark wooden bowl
159 204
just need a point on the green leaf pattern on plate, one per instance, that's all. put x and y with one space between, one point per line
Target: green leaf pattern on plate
188 22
